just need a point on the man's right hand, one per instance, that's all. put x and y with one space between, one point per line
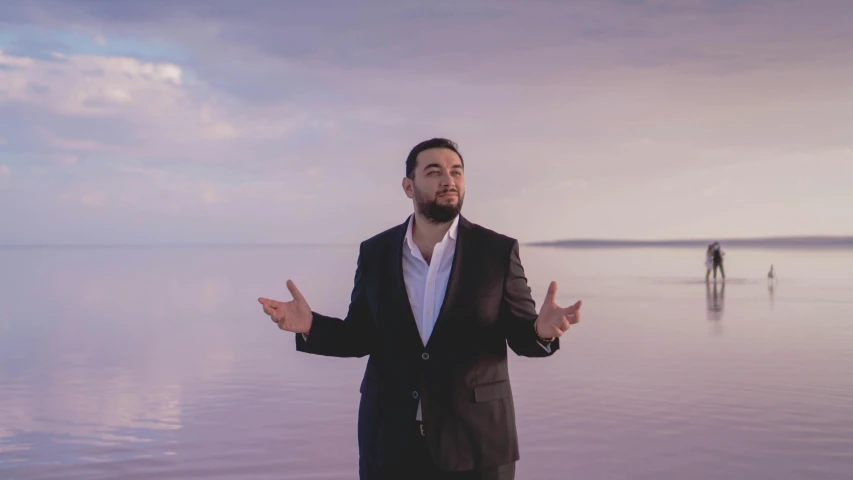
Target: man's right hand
293 316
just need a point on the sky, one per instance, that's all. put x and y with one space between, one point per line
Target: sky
177 121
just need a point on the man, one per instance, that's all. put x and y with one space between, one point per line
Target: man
434 304
718 261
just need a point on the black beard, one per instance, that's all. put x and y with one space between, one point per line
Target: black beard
435 213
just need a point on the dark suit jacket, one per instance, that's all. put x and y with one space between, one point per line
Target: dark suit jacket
461 374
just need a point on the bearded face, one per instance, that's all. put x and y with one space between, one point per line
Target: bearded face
439 207
437 185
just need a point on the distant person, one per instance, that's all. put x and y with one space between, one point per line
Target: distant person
709 261
435 302
718 255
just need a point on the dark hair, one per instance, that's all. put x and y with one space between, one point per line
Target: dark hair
412 159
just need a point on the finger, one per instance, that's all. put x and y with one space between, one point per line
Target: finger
573 319
269 303
552 293
297 295
269 310
573 309
564 324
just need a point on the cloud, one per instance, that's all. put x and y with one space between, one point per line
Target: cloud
5 171
156 175
577 37
66 159
293 106
150 96
576 183
87 85
147 101
163 190
89 199
83 145
258 86
93 199
124 106
210 195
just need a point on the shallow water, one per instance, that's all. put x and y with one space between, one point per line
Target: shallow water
158 363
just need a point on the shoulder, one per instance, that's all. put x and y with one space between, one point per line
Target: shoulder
489 239
384 239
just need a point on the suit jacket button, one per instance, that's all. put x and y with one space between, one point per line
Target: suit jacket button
414 394
425 356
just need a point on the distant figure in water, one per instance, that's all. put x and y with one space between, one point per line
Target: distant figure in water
771 283
717 254
709 261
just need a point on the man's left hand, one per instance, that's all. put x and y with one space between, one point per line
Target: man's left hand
553 319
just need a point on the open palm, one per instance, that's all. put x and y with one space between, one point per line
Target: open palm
553 319
293 316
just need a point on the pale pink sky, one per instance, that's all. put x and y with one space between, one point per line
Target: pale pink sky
176 121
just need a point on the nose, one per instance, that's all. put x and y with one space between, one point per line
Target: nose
447 180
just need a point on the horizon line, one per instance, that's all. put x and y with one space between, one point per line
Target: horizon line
766 241
794 240
172 245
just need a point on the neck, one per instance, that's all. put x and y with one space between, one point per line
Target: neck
427 232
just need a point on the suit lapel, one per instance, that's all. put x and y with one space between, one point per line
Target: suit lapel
396 261
409 324
456 281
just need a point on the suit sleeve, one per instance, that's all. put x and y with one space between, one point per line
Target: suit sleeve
353 336
518 312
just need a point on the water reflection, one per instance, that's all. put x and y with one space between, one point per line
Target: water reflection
111 380
771 285
715 302
771 289
159 366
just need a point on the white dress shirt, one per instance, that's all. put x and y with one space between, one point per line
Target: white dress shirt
426 283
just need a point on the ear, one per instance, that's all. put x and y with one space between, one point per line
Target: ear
408 187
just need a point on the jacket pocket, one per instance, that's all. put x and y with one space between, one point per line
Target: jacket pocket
492 391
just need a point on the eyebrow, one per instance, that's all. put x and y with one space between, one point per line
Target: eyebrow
435 165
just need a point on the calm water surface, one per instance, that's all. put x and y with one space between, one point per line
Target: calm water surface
159 363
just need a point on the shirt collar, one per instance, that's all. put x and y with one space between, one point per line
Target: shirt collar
452 232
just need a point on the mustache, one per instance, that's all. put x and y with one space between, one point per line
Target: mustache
452 190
